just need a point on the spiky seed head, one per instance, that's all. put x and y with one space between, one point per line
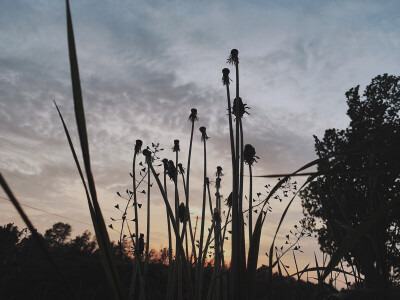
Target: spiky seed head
234 57
225 76
180 168
181 212
218 183
147 153
242 107
228 201
204 136
193 115
176 146
165 163
172 173
219 172
249 154
217 215
138 146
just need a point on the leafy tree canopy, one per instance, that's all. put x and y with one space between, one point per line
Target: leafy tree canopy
58 234
359 183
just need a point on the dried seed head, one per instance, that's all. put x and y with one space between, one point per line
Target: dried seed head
234 57
172 173
218 183
165 163
217 215
249 154
141 244
138 146
180 169
204 136
176 146
242 107
193 115
181 212
147 153
219 172
228 201
225 76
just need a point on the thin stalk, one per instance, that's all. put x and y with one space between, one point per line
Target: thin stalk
250 203
186 218
177 258
200 266
170 263
168 223
135 201
148 225
236 212
203 261
176 232
242 233
187 194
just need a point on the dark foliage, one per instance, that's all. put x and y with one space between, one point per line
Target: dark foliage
361 182
26 274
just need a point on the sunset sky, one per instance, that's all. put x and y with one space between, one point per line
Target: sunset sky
145 64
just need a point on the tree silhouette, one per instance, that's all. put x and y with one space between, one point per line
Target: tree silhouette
361 182
58 234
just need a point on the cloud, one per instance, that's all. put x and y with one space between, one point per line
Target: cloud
145 64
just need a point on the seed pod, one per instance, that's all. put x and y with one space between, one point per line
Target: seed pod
193 115
242 107
228 201
172 173
204 136
181 212
165 163
225 76
180 169
138 146
217 215
141 244
233 57
176 146
249 154
219 172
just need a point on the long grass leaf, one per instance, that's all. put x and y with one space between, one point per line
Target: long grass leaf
176 232
98 221
357 234
35 235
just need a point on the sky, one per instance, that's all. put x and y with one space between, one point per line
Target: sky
145 64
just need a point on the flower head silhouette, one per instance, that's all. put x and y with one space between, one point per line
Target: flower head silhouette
176 146
193 115
204 136
225 76
249 154
138 146
242 107
234 57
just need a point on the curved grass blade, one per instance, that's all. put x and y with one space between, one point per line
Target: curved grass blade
176 232
317 269
97 217
35 234
357 234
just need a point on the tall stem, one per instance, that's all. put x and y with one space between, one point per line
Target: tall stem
201 254
148 223
187 217
135 202
250 204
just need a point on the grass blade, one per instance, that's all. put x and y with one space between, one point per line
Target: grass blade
356 235
35 234
97 217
